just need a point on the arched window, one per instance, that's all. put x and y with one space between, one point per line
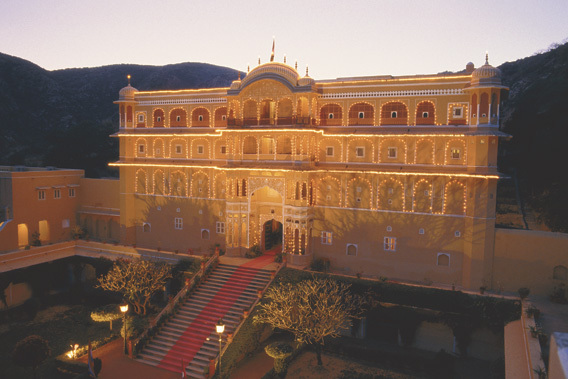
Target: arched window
331 114
200 117
484 105
394 113
351 249
244 187
221 117
425 113
159 121
249 145
204 234
443 259
361 114
178 118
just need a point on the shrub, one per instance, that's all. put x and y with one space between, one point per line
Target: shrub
97 366
278 257
280 351
31 352
31 307
558 294
108 313
134 326
35 239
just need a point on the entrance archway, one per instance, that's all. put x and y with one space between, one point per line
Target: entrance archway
272 235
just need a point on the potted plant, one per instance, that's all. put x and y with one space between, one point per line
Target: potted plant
540 372
535 330
523 292
532 311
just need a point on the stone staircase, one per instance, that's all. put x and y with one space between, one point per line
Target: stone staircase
190 335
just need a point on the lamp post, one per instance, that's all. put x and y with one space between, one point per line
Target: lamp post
124 309
220 327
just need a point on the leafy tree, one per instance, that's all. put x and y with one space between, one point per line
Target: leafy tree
108 313
31 352
311 310
136 280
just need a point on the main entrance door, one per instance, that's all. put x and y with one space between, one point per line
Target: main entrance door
272 236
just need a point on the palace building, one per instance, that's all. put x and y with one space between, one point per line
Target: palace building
383 175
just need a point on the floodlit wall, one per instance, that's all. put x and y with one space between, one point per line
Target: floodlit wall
525 258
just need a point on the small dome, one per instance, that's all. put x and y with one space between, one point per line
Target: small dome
236 84
306 81
127 93
486 74
469 67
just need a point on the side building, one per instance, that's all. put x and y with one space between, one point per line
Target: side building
392 176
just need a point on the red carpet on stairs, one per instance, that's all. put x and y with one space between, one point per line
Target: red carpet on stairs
202 326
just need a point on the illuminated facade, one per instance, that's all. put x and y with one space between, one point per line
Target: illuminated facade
391 176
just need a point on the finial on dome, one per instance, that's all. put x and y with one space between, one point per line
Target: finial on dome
248 68
239 75
272 55
259 60
296 66
486 57
128 77
306 70
284 58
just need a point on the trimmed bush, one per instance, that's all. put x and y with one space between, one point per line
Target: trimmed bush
31 307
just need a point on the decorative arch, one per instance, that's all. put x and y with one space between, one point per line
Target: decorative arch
385 147
250 112
220 148
283 145
220 186
178 118
390 195
484 105
200 148
159 120
425 113
160 185
422 197
221 117
159 148
331 114
368 149
199 184
425 151
200 117
141 183
178 148
250 145
474 105
362 113
140 147
455 198
359 194
394 113
451 155
178 184
329 192
129 113
285 111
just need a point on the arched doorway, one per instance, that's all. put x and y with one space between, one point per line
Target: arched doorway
272 235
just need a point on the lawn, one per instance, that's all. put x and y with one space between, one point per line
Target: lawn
61 326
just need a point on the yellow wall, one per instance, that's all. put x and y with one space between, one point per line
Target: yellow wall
526 258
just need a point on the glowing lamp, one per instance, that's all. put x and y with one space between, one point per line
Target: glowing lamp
220 327
124 308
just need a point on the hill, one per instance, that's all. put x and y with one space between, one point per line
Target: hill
44 114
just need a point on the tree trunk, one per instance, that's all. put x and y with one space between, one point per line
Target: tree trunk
111 325
318 353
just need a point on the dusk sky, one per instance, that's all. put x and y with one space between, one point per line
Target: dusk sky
336 39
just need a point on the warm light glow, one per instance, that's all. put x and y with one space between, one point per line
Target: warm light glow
220 327
124 308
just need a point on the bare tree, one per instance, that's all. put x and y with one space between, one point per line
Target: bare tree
312 310
137 280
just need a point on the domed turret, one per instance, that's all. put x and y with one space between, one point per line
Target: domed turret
486 75
127 93
469 67
306 80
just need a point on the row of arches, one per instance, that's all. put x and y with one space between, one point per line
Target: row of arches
390 193
283 112
178 117
391 113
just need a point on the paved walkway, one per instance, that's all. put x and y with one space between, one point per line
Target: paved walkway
116 365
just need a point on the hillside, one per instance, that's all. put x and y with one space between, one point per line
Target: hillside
44 114
533 115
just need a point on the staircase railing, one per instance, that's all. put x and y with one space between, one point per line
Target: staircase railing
144 338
